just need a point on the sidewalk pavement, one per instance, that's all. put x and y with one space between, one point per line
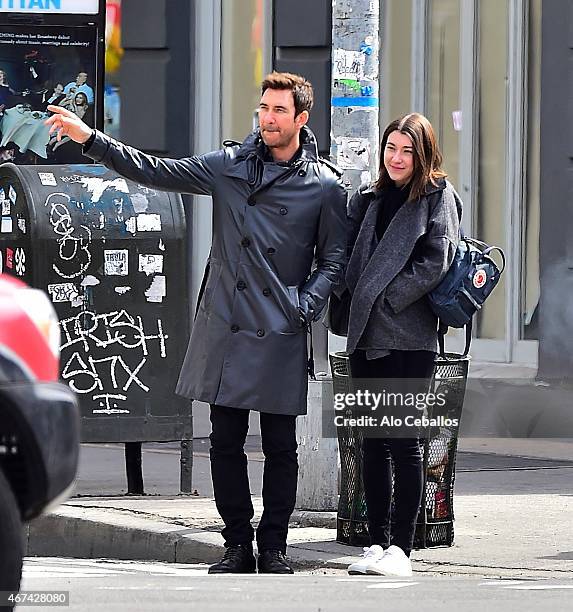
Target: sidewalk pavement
511 522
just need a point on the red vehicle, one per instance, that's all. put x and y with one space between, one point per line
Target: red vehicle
39 420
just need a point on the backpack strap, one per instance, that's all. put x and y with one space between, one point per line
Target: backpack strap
468 337
443 330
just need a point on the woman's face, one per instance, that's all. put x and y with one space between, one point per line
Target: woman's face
80 99
399 157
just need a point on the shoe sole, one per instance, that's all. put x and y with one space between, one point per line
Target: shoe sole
227 572
372 572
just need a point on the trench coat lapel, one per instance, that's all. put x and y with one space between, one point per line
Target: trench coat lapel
249 164
387 260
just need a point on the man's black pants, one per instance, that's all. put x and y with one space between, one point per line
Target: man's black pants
231 479
403 454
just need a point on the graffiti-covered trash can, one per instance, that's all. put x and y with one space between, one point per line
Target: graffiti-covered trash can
435 524
111 254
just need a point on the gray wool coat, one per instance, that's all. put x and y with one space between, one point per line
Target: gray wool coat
248 346
389 280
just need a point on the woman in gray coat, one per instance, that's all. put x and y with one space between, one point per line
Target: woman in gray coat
404 231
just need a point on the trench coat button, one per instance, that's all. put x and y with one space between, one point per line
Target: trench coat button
241 285
245 242
234 328
260 333
251 202
266 292
283 210
302 172
271 251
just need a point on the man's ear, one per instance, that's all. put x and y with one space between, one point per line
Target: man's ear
301 119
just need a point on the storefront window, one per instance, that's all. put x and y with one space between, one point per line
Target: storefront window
242 53
529 301
492 152
444 80
395 60
113 54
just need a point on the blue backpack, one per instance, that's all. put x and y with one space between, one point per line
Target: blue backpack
470 279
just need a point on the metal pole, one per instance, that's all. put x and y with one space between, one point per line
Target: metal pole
186 482
355 106
133 468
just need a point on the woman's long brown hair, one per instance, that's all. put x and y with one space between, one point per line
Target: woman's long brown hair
427 156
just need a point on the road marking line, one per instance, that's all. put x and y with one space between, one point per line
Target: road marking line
391 585
500 582
540 587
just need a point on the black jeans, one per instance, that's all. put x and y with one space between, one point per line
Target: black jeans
231 479
404 453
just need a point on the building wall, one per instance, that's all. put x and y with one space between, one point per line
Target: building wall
556 188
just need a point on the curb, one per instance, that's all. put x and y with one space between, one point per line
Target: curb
76 532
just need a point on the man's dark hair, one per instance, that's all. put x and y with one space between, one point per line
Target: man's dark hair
301 89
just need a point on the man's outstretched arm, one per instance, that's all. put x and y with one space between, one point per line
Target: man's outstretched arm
187 175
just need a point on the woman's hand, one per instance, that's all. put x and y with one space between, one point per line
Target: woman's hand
65 123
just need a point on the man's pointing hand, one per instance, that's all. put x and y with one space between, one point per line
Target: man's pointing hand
66 123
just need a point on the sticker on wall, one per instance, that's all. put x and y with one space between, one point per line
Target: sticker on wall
140 202
9 259
96 186
6 225
12 194
22 225
151 264
353 153
156 291
457 120
348 64
131 225
148 223
115 262
90 281
47 179
161 245
20 259
122 290
63 292
6 207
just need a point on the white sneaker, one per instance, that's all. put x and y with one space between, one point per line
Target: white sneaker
393 563
370 555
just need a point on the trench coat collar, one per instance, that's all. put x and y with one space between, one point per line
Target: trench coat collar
250 156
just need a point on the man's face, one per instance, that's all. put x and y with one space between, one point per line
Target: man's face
279 126
81 78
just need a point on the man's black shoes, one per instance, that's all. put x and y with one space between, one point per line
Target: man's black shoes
273 562
238 559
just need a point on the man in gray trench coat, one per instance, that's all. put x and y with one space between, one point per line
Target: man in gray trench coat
277 207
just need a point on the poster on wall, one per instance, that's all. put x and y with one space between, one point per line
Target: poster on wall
42 65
